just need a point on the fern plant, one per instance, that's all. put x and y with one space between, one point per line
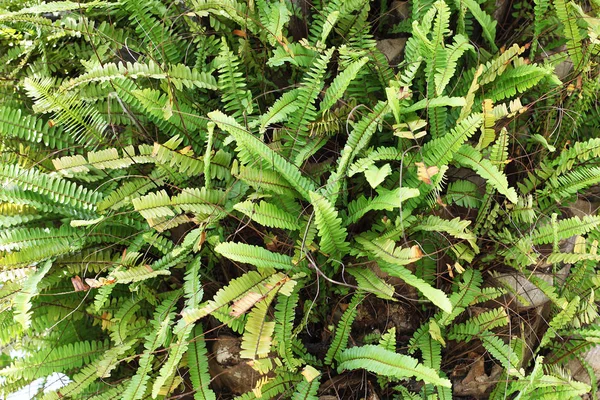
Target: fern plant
173 174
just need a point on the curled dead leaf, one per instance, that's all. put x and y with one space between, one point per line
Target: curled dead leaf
425 173
78 284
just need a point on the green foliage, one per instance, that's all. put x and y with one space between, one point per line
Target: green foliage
266 152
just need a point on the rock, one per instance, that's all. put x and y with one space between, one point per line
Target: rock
583 207
400 10
579 373
521 289
393 49
229 372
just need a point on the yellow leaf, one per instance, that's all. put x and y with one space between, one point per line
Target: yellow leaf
245 303
425 173
436 333
310 373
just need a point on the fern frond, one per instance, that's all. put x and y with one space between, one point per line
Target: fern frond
258 333
257 256
83 121
56 189
475 326
284 324
153 205
517 80
455 227
176 352
358 139
101 368
237 99
197 361
385 200
137 274
342 330
179 74
488 25
15 124
161 322
184 159
440 151
60 359
463 193
561 320
22 301
368 281
387 363
250 281
332 233
262 151
340 84
470 157
306 390
503 353
268 215
280 110
265 180
306 112
453 53
571 31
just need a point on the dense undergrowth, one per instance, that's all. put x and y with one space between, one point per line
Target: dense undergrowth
179 174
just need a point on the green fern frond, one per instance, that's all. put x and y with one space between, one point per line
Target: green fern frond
81 120
15 124
237 99
60 359
258 332
503 353
22 301
154 205
254 255
340 84
137 274
463 193
101 368
453 52
297 126
470 157
184 159
342 330
280 110
250 281
385 200
440 151
284 324
179 74
306 390
455 227
367 280
387 363
488 25
265 180
268 214
176 352
56 189
197 361
571 31
161 322
332 233
517 80
358 139
475 326
261 150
